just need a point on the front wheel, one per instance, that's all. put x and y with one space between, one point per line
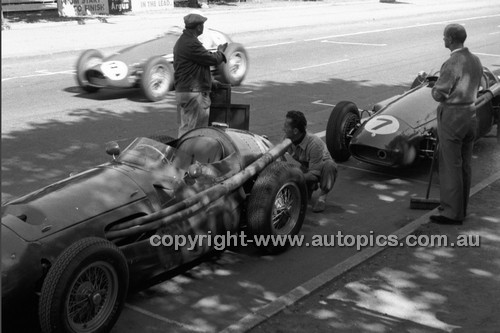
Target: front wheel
343 122
277 205
87 60
157 79
85 289
234 71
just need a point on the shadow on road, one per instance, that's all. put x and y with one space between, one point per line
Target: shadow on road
50 151
419 289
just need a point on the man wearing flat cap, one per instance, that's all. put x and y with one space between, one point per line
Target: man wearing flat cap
193 80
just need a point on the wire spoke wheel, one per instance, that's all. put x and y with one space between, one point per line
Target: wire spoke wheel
92 297
277 204
85 289
286 208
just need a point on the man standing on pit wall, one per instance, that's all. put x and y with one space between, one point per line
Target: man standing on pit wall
310 151
456 91
192 77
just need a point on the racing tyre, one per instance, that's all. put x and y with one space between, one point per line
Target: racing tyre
85 289
277 204
234 71
342 123
87 59
157 79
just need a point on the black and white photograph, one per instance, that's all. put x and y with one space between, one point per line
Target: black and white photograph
250 166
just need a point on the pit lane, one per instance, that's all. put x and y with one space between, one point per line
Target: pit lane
221 291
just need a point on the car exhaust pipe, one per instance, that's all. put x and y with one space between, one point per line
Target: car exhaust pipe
382 154
194 204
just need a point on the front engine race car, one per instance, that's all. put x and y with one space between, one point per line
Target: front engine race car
403 128
148 65
80 242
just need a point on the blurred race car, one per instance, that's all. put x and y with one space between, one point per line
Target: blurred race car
403 128
78 243
149 66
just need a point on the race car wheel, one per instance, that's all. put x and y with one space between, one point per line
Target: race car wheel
277 204
234 71
85 289
157 79
342 123
87 59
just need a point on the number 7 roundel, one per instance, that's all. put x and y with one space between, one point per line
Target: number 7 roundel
383 125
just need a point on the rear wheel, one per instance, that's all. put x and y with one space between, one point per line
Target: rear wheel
343 121
157 79
87 60
234 71
277 204
85 289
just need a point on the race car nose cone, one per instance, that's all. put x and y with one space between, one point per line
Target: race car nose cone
384 140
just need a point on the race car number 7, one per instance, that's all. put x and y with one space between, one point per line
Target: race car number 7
383 125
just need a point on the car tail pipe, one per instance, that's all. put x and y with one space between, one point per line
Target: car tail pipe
199 201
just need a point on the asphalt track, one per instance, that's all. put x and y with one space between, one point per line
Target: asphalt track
252 320
362 63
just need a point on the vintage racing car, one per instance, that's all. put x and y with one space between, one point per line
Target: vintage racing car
148 65
79 242
401 129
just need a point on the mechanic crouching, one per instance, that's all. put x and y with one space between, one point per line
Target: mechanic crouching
315 161
192 77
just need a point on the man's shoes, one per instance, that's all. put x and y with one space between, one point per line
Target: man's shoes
319 206
439 219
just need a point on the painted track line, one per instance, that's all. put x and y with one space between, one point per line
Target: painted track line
318 65
351 43
163 319
487 54
40 73
273 308
403 27
269 45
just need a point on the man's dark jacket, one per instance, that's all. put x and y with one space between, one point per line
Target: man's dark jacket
192 64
